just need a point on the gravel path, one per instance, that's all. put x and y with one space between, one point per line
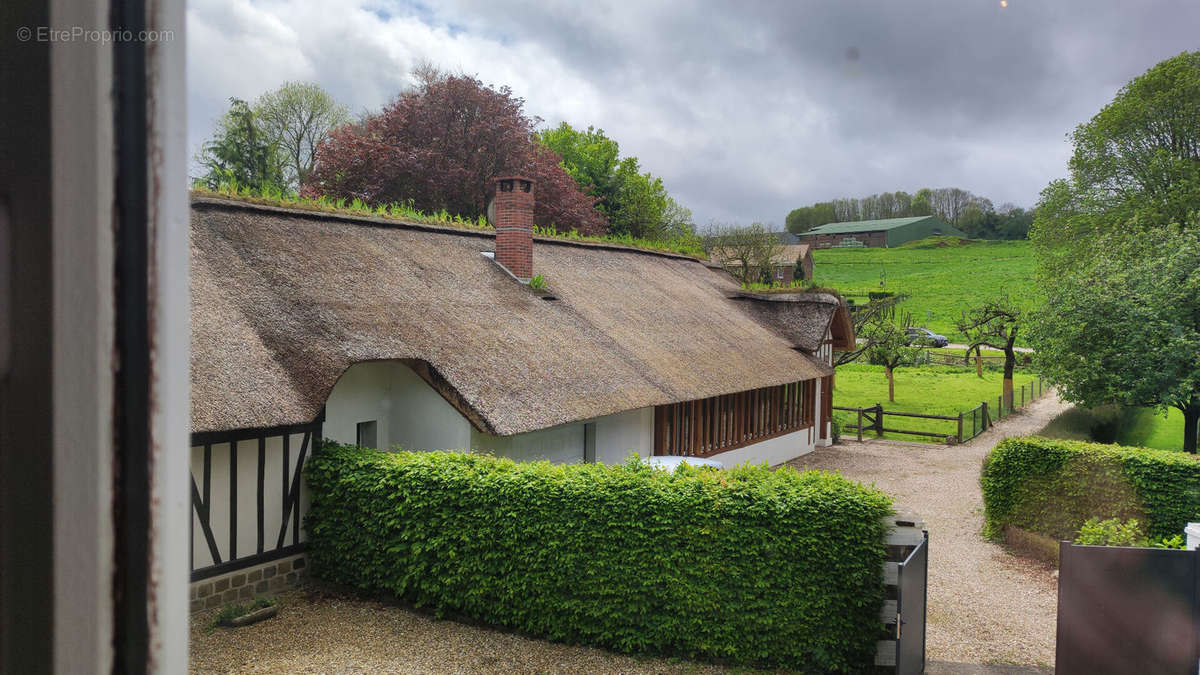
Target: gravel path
985 606
318 632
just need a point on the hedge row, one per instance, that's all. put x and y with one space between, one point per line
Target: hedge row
746 566
1053 487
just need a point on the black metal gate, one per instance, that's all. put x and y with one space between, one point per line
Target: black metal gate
1127 610
912 580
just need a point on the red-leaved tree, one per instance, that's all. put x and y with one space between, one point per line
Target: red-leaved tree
439 145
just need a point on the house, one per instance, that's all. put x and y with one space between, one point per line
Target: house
886 233
784 262
309 325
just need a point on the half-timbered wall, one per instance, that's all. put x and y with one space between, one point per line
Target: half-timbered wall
248 496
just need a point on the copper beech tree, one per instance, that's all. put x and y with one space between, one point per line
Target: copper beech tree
438 146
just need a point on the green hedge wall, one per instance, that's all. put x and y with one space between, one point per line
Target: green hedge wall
1052 487
745 566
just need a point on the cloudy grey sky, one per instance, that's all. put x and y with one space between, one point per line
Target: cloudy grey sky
745 109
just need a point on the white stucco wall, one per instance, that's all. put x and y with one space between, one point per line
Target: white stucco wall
406 410
410 414
625 432
617 436
772 451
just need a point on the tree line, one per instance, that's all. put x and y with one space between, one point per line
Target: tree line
969 212
436 148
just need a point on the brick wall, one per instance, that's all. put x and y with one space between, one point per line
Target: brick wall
247 584
514 225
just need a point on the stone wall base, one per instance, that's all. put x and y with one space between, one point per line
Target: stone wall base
247 584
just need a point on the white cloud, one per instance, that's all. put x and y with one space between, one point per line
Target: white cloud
745 111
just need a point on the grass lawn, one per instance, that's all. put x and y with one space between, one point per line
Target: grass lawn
1151 429
930 390
941 282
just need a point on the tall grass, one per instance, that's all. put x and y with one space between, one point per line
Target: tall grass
275 196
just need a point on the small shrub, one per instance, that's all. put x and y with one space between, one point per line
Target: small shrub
747 565
537 283
1115 532
835 429
1111 532
1054 487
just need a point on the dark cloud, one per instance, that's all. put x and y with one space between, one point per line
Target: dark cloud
749 109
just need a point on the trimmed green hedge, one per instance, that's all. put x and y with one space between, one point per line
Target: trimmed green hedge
746 566
1053 487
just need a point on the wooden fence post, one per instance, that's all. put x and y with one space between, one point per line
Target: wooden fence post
986 420
860 425
960 426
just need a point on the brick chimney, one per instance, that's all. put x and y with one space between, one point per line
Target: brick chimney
514 225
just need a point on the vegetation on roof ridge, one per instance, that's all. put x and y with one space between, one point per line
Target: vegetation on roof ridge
796 287
270 196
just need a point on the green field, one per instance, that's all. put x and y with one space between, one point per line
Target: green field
1137 427
941 282
1151 429
930 390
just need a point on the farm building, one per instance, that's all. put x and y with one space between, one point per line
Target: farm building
886 233
309 325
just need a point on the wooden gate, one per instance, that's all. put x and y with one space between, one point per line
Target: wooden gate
1127 610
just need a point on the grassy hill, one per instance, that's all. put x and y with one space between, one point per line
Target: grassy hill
942 276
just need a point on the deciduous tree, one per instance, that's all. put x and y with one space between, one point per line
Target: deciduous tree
1119 258
1136 165
439 145
297 117
994 324
1126 329
889 347
746 251
634 202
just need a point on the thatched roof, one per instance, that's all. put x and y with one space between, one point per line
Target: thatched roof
801 317
283 302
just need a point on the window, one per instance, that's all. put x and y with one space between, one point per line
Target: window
708 426
365 435
589 443
779 273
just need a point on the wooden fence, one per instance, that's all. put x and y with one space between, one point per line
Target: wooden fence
968 423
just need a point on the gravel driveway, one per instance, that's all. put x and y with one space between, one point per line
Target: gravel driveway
319 632
985 606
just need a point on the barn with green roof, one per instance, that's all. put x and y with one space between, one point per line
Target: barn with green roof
886 233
